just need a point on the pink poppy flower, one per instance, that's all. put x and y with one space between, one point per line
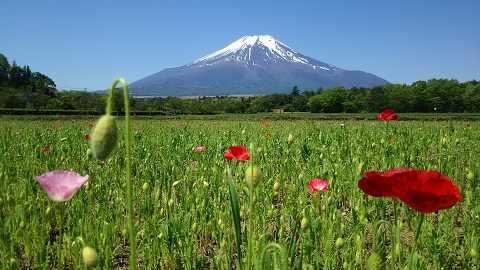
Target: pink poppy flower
237 152
199 149
318 185
61 185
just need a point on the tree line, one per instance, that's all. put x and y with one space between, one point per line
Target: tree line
20 88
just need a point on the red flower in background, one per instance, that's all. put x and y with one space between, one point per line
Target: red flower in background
46 150
392 140
182 124
379 184
318 185
237 152
266 124
424 191
387 115
86 138
269 134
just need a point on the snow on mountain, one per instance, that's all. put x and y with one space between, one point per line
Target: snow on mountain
241 51
251 65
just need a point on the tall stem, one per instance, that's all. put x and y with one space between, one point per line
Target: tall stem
60 234
250 218
416 238
129 165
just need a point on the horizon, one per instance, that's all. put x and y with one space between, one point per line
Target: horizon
81 47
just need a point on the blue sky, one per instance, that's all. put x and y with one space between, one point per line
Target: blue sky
87 44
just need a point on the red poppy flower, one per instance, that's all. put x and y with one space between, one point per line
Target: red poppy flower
269 134
46 150
468 124
266 124
318 185
6 131
427 191
237 152
422 190
392 140
86 138
90 125
182 124
377 184
387 115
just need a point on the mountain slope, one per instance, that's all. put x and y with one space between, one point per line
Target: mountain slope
251 65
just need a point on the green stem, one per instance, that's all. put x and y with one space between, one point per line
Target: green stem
394 234
129 164
283 255
250 218
60 234
415 242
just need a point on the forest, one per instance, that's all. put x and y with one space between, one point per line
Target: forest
24 90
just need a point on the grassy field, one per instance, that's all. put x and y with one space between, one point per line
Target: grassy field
182 210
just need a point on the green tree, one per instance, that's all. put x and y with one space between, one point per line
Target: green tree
4 70
295 91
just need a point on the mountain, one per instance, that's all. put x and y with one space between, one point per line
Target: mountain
252 65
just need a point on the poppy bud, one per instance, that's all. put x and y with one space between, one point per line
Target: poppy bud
397 249
473 253
345 265
145 187
304 224
276 186
90 257
104 137
13 263
339 243
252 176
290 138
194 227
89 153
470 176
374 262
360 169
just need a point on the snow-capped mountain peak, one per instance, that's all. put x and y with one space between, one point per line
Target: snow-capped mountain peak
257 50
251 65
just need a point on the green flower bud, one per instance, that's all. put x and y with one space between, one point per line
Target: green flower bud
104 137
13 262
145 187
339 242
194 227
290 138
470 176
360 169
374 262
90 257
345 265
304 224
473 253
253 176
276 186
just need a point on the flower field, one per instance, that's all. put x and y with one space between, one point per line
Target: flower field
301 207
